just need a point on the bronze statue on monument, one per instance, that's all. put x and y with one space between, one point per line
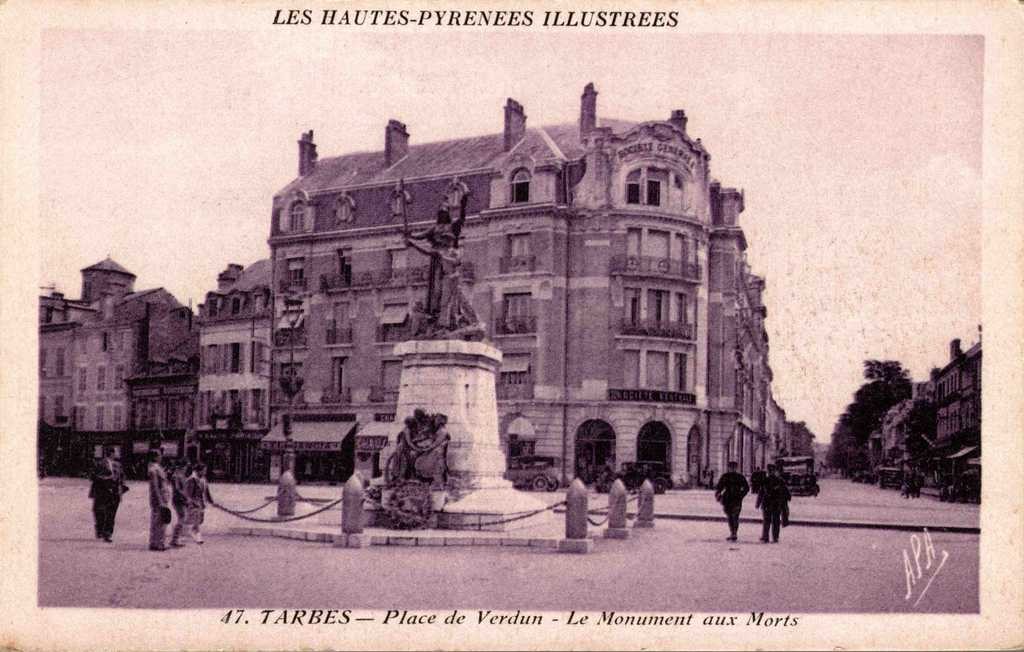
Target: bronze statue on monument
446 313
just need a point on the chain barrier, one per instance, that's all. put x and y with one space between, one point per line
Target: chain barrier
246 511
513 516
242 515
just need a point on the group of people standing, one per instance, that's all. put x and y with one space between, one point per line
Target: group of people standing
772 499
181 486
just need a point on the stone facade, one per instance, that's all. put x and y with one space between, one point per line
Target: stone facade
606 262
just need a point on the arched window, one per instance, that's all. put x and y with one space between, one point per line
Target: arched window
521 187
633 187
297 217
647 186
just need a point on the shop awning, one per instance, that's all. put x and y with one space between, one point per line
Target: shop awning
309 436
394 314
962 452
376 435
515 363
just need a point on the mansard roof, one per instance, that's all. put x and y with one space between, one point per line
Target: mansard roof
447 157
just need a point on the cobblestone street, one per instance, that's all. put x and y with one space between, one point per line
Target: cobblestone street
678 566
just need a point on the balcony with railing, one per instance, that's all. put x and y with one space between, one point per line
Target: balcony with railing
387 277
516 326
652 266
226 314
394 332
292 285
513 264
283 337
334 396
381 394
338 335
657 328
523 390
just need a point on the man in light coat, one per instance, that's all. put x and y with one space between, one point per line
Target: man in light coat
197 492
159 503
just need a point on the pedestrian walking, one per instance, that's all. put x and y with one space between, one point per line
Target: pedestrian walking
180 472
106 489
757 480
732 487
197 491
774 504
159 503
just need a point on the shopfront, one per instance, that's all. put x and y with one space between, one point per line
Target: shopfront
324 448
231 456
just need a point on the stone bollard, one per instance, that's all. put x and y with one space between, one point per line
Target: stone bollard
352 518
287 494
576 505
617 497
645 509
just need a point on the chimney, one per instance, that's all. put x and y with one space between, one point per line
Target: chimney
678 118
307 153
588 110
396 142
954 349
515 123
228 277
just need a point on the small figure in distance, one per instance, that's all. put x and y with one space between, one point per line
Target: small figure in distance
732 487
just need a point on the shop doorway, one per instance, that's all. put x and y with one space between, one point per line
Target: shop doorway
595 449
654 444
694 455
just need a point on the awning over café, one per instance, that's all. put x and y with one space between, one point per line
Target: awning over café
309 436
962 452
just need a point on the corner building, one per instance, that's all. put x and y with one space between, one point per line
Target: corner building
606 263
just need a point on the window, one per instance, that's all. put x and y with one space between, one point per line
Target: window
234 403
118 417
632 300
236 357
344 267
657 369
125 335
82 344
225 365
236 305
105 341
633 187
393 322
680 372
338 375
657 305
682 308
521 187
297 217
656 180
173 406
391 374
101 379
515 369
119 377
633 242
655 244
681 250
100 410
517 305
58 407
256 406
80 417
339 314
42 363
398 259
519 244
631 369
83 379
296 270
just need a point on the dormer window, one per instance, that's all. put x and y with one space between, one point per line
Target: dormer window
521 187
297 217
646 186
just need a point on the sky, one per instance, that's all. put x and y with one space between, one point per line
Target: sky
859 157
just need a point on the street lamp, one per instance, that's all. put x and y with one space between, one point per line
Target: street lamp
291 383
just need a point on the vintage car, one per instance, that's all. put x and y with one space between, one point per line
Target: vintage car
889 477
798 474
534 472
633 475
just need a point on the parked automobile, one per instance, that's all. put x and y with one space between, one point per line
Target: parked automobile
798 474
534 472
864 475
890 476
633 475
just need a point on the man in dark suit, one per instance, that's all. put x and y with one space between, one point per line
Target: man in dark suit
774 503
730 491
105 490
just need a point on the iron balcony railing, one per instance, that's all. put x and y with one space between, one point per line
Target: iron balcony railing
515 391
652 266
381 394
512 264
516 325
339 335
385 277
334 396
283 337
292 284
655 328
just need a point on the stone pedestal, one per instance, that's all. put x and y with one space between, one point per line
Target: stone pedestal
457 378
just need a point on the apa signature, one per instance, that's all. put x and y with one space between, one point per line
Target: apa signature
913 571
